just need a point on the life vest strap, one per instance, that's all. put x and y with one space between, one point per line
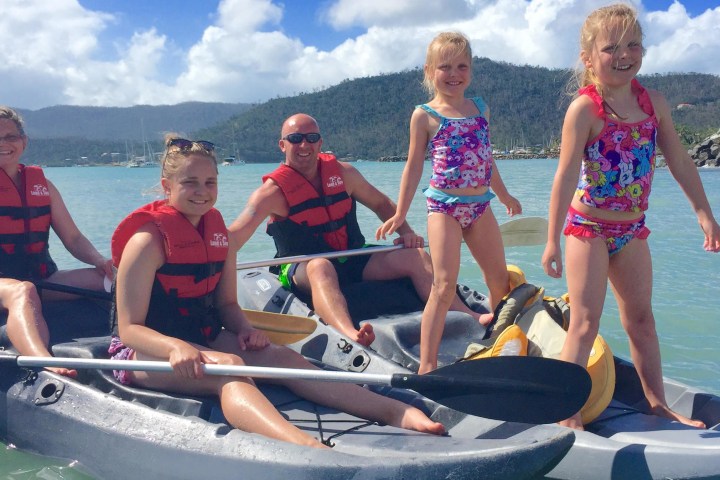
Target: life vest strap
17 213
199 271
318 202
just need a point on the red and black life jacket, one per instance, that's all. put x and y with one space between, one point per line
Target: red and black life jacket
317 221
181 303
25 225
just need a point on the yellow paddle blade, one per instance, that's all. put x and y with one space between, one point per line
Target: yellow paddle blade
281 329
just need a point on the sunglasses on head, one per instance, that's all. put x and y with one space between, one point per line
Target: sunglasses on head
296 138
184 144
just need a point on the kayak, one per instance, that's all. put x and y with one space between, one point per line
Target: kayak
623 442
115 431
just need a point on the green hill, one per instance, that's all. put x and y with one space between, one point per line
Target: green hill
366 118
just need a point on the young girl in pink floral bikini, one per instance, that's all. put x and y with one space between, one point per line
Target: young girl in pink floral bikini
609 137
453 130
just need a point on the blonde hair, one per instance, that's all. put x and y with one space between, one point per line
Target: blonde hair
175 155
626 18
444 45
8 113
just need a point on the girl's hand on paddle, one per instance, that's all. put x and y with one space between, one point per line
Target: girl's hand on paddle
711 229
252 339
552 261
389 227
410 240
187 361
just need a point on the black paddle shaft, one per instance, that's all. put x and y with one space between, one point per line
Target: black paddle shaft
516 389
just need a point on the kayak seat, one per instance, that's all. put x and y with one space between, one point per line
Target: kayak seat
103 380
398 338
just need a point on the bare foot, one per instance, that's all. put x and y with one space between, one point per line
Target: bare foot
365 336
663 411
65 372
485 319
574 422
414 419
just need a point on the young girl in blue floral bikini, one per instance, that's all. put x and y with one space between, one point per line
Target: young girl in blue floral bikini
608 140
453 130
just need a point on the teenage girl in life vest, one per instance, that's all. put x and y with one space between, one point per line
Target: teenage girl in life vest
31 205
453 131
609 139
159 250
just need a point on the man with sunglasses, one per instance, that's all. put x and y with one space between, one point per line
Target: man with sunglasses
311 201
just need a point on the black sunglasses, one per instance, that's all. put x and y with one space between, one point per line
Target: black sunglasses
184 144
296 138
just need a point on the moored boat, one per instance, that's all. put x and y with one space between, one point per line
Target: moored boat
623 442
115 431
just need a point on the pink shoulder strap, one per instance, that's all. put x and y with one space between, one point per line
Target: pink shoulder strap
592 92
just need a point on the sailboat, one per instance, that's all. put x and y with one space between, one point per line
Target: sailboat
148 158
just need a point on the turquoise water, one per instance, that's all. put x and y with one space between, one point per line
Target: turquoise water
686 278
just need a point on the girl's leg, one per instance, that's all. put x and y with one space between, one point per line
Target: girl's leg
484 241
414 263
586 261
320 279
631 281
243 405
346 397
444 235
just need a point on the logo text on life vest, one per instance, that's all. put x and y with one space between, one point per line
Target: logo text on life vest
219 240
335 181
39 190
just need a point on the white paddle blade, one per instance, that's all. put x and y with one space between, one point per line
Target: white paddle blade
524 232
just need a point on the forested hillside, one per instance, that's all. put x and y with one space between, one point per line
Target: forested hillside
369 118
366 118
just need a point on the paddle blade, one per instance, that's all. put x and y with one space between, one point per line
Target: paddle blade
524 231
281 329
514 389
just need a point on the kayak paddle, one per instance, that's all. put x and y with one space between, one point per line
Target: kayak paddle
524 231
514 389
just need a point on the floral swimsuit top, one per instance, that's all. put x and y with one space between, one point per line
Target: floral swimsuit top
460 150
619 163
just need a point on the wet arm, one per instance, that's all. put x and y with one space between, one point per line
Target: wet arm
575 133
685 172
410 179
265 201
70 235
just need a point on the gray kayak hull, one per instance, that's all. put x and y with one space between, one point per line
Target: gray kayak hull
119 432
624 442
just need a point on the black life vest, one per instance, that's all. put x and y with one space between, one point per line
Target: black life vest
25 225
181 302
317 221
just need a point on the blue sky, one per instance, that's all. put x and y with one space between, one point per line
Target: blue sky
128 52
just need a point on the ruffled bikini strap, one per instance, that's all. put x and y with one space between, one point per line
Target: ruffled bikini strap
429 110
643 98
597 99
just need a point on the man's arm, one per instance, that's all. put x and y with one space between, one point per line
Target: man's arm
265 201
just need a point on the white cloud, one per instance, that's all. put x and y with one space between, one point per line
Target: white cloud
677 43
50 53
